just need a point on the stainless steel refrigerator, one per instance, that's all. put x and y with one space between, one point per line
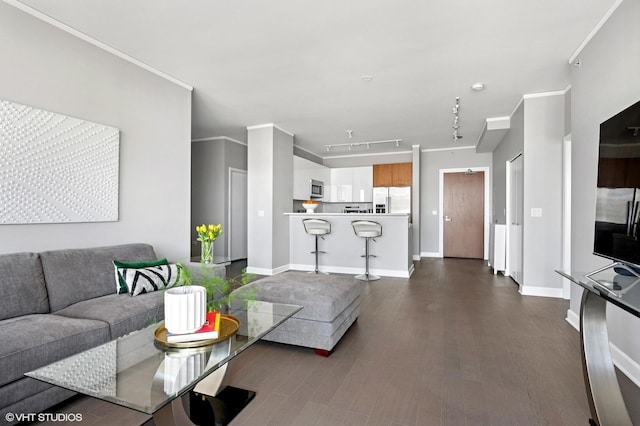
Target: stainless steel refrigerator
392 199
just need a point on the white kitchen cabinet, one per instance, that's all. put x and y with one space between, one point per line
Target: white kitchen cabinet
497 252
362 189
341 185
303 172
301 178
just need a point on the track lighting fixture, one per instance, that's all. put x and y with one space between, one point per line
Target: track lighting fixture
367 145
456 120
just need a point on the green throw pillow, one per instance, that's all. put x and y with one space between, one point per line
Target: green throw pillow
152 278
121 285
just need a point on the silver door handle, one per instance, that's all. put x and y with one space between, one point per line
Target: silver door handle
447 219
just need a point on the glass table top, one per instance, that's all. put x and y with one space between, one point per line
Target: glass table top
620 289
217 260
136 372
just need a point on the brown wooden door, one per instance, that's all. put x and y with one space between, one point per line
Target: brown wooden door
463 215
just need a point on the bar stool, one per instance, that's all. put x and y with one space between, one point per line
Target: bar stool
367 229
318 228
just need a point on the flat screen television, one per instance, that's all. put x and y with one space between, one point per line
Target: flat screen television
618 194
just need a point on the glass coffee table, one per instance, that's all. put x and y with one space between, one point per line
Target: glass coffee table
174 385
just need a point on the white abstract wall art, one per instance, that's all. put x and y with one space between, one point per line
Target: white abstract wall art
56 169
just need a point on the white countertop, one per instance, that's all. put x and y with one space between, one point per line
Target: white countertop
349 214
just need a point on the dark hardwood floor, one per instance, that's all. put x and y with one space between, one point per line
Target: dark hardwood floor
453 345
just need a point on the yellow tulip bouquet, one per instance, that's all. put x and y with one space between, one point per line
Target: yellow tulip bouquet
207 234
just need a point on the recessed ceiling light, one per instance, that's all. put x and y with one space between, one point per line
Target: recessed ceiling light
477 86
366 78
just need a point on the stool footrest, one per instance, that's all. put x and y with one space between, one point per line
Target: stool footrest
367 277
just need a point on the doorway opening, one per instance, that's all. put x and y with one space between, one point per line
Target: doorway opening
464 207
237 215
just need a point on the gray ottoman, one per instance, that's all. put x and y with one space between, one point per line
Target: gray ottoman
331 303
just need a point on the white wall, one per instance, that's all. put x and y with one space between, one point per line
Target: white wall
605 83
49 69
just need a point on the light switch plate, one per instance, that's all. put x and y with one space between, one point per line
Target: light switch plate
536 212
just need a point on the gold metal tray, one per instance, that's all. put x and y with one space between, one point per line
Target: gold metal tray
228 327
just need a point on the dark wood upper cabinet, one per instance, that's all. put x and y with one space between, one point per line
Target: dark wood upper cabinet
619 172
396 174
632 180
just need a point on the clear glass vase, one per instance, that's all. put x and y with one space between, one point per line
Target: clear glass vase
206 254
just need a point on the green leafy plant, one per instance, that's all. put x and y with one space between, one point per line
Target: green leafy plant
219 290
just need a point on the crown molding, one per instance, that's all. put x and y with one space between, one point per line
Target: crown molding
85 37
366 154
453 148
271 125
219 138
594 31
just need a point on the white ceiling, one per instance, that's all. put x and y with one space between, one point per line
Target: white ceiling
298 64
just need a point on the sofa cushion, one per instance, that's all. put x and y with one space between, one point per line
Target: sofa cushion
121 285
123 313
80 274
22 287
150 279
33 341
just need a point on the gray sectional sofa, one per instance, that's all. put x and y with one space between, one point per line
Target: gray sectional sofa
57 303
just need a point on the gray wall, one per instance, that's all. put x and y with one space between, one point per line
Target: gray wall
605 83
431 162
306 155
210 163
49 69
368 160
537 131
270 190
509 148
282 196
542 236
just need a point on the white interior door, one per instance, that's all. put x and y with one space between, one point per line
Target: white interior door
237 214
516 217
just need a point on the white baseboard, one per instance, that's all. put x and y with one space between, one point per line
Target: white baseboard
268 272
573 319
354 271
541 291
411 270
416 257
621 360
629 367
430 254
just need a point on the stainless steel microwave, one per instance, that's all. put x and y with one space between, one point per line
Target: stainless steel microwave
317 189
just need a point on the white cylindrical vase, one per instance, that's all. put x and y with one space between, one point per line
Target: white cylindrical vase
185 309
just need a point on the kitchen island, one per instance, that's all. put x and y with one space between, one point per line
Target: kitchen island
344 250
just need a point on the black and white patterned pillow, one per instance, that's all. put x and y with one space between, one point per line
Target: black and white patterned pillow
152 278
121 286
